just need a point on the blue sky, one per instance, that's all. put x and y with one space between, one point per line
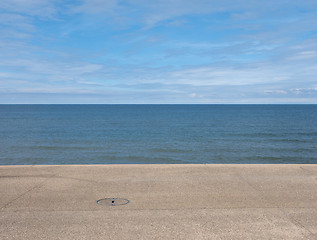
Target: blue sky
160 51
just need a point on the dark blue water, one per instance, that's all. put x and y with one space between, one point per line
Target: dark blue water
117 134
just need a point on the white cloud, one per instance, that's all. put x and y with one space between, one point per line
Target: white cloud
19 21
283 92
39 8
62 89
299 91
266 56
213 76
304 55
95 6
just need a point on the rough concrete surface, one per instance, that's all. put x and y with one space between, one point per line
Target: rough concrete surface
166 202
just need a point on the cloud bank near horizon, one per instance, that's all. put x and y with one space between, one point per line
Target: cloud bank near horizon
137 51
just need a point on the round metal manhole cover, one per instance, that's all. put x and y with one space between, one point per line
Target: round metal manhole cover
112 201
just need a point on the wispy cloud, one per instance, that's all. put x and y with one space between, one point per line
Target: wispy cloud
38 8
186 51
95 7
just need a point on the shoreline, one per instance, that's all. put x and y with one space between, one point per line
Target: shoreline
165 164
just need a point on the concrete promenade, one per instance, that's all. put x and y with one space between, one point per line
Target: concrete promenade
166 202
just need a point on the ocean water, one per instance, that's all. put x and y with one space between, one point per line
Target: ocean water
169 134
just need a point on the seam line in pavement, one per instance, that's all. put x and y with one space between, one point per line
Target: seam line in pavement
26 192
295 222
281 209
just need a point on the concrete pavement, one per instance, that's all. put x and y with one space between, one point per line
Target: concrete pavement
166 202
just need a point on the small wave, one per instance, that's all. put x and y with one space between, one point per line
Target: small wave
53 148
112 159
170 150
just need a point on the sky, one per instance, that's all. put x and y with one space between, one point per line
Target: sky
158 51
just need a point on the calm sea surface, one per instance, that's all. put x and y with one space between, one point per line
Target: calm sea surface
117 134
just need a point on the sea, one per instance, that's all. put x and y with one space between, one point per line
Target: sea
158 134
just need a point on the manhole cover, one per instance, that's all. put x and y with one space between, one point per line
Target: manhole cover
113 201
